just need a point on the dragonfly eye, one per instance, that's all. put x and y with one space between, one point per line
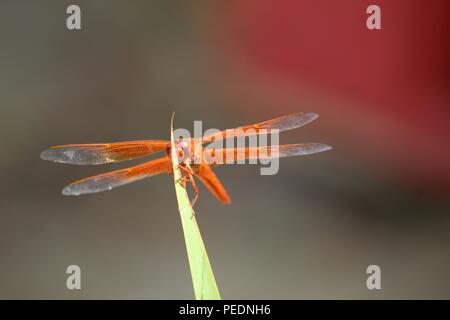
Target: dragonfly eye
182 151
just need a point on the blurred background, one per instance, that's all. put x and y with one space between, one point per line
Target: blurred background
381 196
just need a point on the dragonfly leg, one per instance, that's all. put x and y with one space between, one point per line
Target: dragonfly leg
183 174
194 186
183 179
188 177
186 170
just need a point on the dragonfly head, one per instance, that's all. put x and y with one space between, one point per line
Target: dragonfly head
183 151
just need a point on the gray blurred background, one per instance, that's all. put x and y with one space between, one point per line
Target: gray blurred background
308 232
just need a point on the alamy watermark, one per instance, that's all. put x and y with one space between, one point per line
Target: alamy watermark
373 22
374 280
233 146
73 281
73 21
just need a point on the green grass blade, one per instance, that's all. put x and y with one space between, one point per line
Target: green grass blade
205 287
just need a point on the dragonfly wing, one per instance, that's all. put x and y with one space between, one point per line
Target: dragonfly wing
207 176
100 153
283 123
231 155
109 180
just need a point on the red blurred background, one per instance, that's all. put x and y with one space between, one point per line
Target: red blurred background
386 91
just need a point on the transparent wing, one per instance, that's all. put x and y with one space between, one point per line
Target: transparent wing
283 123
220 156
107 181
100 153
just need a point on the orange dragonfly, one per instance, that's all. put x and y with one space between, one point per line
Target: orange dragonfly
101 153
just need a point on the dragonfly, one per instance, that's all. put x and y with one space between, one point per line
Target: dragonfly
102 153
